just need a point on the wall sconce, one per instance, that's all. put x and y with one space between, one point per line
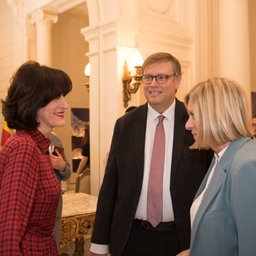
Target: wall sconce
127 78
87 72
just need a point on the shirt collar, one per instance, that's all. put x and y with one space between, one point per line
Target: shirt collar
168 113
42 142
220 154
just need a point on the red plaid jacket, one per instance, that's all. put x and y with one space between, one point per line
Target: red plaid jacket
29 196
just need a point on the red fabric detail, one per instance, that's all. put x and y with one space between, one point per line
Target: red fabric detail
5 136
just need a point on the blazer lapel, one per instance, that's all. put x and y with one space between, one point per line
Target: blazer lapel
216 183
203 184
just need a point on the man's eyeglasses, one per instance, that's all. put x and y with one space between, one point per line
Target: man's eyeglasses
161 79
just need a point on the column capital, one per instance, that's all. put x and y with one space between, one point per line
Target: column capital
39 16
16 6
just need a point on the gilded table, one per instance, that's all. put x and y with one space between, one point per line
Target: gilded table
78 216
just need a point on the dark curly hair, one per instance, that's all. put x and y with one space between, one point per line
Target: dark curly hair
32 87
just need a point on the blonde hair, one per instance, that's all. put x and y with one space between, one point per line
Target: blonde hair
221 112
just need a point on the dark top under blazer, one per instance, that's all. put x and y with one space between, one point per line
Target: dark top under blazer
120 191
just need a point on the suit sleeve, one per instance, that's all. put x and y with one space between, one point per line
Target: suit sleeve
107 196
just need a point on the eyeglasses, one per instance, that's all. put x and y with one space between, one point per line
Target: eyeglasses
161 79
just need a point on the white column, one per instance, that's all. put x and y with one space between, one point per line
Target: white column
91 35
44 21
111 43
19 32
234 56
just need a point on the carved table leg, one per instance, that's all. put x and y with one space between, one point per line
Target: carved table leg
79 246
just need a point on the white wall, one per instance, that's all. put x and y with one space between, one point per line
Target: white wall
6 50
252 22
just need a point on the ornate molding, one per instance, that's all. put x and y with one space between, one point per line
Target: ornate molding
40 16
16 6
64 5
159 6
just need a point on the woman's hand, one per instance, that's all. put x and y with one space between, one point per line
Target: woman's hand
184 253
58 162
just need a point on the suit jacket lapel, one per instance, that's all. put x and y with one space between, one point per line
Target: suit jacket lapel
139 128
178 136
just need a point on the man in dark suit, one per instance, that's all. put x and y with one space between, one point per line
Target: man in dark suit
121 224
254 127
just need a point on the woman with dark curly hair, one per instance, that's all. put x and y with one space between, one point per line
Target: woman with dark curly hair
29 189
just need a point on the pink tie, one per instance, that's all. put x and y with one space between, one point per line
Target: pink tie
155 183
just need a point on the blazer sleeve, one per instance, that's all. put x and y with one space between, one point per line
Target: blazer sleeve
243 204
55 140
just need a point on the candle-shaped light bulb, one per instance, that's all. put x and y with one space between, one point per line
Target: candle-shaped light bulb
87 70
137 59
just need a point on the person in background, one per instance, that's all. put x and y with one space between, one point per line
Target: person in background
83 170
30 191
85 160
123 224
223 212
62 171
254 127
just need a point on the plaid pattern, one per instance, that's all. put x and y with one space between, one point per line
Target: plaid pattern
29 196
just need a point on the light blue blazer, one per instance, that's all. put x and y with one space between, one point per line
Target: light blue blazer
225 224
